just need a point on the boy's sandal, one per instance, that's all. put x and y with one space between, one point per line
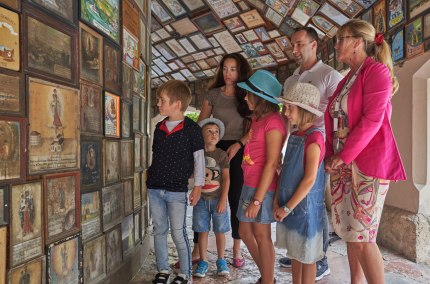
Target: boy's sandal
193 262
239 262
161 278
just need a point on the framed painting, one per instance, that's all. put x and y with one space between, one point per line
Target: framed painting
200 41
136 113
13 4
127 186
414 38
137 151
194 5
130 17
65 261
135 80
144 42
31 272
426 26
137 227
54 129
165 51
184 27
416 7
174 7
176 47
274 17
227 42
250 35
91 162
103 15
66 10
112 116
126 81
262 34
91 108
348 7
160 13
274 34
51 48
323 23
142 79
249 49
126 119
304 11
223 8
95 260
252 19
284 43
127 158
207 23
234 24
62 203
276 52
112 202
111 159
26 223
137 199
380 17
113 248
4 205
396 13
397 40
261 49
91 214
91 55
279 6
333 14
130 49
12 90
12 146
127 230
10 40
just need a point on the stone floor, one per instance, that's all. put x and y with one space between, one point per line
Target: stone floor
398 270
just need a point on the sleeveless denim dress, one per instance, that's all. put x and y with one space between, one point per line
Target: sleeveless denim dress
301 232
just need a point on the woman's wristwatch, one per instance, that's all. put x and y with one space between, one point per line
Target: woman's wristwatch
256 202
287 209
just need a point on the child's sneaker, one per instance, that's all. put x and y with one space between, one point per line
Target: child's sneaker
221 267
202 268
161 278
180 279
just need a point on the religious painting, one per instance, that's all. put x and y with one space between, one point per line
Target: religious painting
379 17
207 23
305 9
91 55
397 45
10 43
65 261
130 17
26 222
276 52
414 38
90 214
144 41
193 5
127 158
103 15
111 158
4 205
333 14
126 81
54 129
12 148
32 272
62 203
416 7
12 93
112 116
227 42
113 248
396 13
234 24
252 19
283 42
280 6
137 199
160 13
65 9
137 151
174 7
128 196
91 162
184 26
112 68
51 48
130 49
127 230
126 119
274 17
95 260
249 49
322 23
135 80
348 7
223 8
112 202
176 47
91 108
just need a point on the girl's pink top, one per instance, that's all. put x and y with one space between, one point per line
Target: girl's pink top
254 157
370 142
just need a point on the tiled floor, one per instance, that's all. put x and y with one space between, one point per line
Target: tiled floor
398 270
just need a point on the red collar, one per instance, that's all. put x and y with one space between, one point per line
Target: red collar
178 127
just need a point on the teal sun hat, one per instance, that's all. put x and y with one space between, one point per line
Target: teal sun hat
263 84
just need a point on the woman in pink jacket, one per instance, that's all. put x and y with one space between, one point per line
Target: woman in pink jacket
362 155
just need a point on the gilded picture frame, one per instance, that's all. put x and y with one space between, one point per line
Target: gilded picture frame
112 115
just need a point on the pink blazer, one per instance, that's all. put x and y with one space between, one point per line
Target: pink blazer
370 143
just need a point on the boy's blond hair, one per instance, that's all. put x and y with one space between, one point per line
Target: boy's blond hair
176 91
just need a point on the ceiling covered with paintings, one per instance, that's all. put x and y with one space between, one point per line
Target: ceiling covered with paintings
189 37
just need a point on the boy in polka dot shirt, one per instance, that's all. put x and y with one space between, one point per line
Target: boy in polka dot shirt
177 154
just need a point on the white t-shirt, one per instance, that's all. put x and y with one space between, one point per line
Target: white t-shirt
322 76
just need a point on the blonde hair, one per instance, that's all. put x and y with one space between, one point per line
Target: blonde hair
176 90
304 117
381 53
